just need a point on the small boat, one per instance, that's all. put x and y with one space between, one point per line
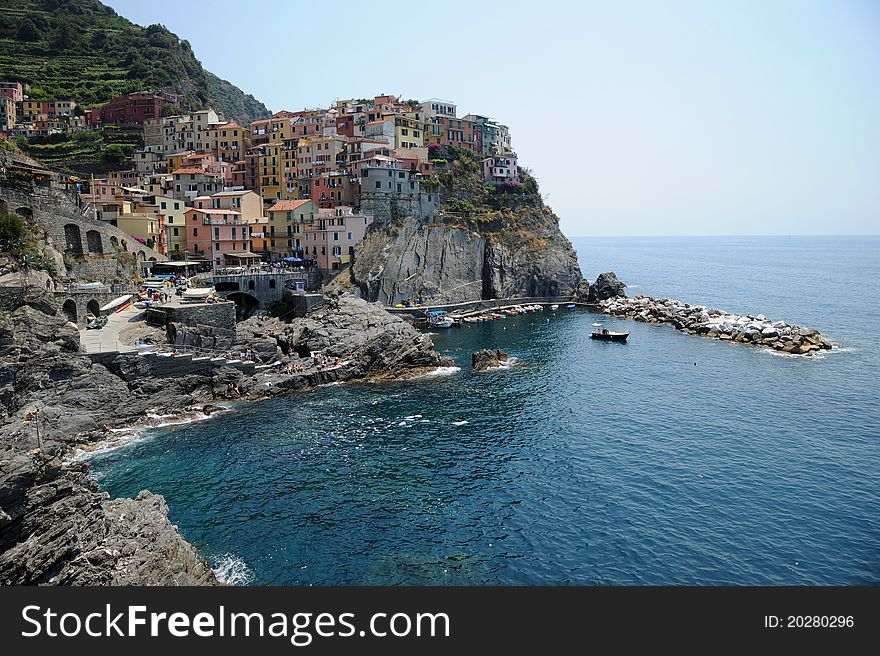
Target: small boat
609 336
554 307
439 319
196 293
97 323
117 304
571 306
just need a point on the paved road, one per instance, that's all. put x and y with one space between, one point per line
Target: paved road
107 338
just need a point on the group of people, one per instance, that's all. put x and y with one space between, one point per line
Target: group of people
245 356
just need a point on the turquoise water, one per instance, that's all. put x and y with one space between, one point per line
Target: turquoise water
671 459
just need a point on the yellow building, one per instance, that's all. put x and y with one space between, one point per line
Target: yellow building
149 227
409 131
260 237
175 221
287 219
232 141
269 163
289 170
175 160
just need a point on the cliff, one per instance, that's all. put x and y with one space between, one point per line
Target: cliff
524 255
482 242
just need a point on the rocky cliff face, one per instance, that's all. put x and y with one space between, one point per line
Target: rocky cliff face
443 261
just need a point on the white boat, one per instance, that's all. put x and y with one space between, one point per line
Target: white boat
554 307
196 293
116 303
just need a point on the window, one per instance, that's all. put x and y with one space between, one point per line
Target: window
195 231
335 236
378 184
163 205
175 232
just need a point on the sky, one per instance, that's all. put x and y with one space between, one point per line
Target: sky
636 117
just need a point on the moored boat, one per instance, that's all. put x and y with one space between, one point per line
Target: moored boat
194 294
609 335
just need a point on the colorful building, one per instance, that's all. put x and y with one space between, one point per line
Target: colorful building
248 203
501 169
190 183
135 108
219 236
8 114
287 219
331 239
12 90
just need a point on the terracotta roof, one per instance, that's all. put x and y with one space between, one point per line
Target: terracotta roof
287 205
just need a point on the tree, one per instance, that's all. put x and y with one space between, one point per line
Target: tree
27 30
12 231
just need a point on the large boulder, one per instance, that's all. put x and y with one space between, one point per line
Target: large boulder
487 358
606 286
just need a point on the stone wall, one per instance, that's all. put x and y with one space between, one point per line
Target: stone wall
91 248
216 315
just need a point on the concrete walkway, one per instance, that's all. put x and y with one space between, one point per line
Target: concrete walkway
106 339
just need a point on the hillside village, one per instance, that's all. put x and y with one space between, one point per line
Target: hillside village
299 187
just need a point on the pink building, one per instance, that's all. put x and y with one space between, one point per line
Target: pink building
12 90
500 169
330 240
218 236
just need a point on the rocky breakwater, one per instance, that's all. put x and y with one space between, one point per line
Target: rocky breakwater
719 324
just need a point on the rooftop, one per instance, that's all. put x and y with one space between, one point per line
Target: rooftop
287 205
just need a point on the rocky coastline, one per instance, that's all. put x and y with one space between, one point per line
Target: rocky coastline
715 323
56 526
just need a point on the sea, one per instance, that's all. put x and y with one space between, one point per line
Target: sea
671 459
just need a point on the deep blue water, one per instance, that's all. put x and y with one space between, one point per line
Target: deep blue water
672 459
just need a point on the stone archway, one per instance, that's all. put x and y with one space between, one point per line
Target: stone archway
93 307
69 308
73 239
142 256
94 242
26 212
114 242
245 304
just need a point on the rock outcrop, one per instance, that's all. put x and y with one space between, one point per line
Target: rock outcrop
518 255
606 286
487 358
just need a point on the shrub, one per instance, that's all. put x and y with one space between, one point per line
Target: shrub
12 231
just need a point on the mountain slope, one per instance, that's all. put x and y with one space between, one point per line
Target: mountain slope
81 49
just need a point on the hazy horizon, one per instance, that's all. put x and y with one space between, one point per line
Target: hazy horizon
692 119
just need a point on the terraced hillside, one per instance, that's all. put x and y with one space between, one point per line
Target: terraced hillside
81 49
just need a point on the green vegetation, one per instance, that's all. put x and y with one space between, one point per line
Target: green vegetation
82 50
85 151
18 246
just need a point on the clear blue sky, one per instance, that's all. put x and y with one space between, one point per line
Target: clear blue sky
638 118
